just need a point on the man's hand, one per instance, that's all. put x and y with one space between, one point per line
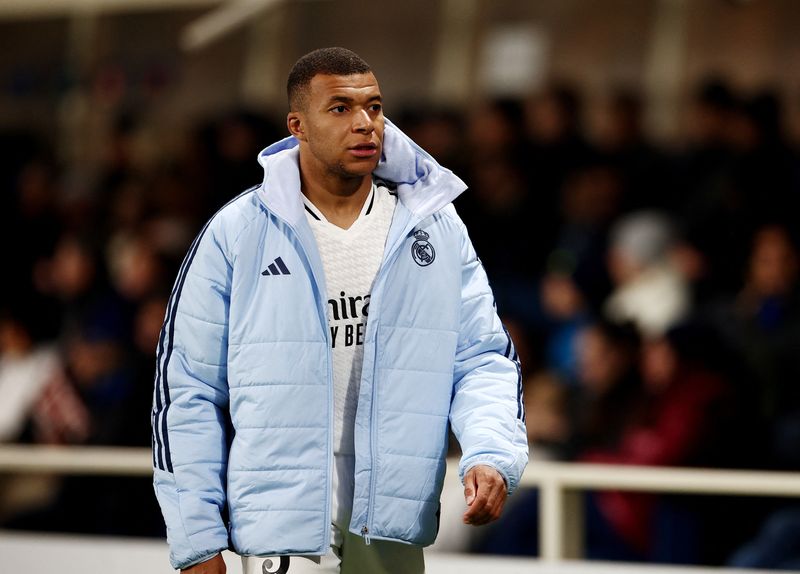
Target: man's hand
485 492
214 566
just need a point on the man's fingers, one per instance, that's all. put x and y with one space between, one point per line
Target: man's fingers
485 507
470 487
485 492
478 505
479 509
497 506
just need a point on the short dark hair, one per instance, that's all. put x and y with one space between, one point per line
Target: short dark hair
333 61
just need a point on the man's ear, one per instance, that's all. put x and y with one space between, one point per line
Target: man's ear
294 121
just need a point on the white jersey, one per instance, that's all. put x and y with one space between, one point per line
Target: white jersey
351 259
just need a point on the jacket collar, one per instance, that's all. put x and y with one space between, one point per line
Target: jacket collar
423 186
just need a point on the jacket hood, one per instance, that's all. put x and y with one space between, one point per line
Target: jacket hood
423 185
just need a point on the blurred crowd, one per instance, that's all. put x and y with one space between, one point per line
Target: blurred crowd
651 290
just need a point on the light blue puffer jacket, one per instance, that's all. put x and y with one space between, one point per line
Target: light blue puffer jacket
242 410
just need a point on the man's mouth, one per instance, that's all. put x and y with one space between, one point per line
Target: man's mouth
364 150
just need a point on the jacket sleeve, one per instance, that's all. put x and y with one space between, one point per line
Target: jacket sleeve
486 414
190 404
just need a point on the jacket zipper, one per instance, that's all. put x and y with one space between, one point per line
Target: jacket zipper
373 472
373 406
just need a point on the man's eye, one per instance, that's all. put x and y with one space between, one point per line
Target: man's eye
339 109
376 107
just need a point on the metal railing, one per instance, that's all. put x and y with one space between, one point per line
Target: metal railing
560 484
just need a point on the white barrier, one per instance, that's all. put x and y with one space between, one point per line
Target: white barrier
560 484
48 553
105 461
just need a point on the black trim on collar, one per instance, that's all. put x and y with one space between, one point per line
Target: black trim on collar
314 215
371 201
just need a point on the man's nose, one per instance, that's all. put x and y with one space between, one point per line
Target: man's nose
362 122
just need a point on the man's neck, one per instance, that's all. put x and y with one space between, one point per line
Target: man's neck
339 199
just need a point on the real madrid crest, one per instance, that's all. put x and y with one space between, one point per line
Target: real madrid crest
422 251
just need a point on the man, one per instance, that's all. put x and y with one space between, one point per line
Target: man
324 329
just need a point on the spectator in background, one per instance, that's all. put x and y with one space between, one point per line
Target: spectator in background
27 365
495 129
96 369
704 198
589 202
763 167
575 281
763 324
500 201
708 155
566 312
648 289
119 162
642 166
137 276
557 146
674 424
128 205
178 209
34 217
608 387
137 270
75 279
590 409
146 329
554 148
548 428
499 206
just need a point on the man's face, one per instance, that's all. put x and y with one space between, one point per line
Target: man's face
341 125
